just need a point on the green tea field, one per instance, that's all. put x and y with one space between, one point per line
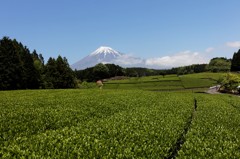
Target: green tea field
200 81
118 123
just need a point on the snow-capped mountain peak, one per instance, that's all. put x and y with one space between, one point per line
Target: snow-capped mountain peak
105 51
106 55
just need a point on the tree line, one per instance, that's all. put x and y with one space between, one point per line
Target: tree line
235 64
101 71
218 64
104 71
22 69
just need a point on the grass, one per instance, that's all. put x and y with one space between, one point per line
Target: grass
117 124
90 123
215 130
149 117
167 83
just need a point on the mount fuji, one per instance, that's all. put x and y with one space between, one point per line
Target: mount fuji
106 55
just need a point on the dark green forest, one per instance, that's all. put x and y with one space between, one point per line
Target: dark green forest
22 69
235 66
219 64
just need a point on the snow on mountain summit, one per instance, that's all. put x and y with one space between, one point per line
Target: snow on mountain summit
106 55
103 54
105 50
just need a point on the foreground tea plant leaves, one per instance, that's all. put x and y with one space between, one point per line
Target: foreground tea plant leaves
117 124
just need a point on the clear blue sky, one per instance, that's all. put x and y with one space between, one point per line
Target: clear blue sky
149 29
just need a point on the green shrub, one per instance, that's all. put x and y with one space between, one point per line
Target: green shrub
229 82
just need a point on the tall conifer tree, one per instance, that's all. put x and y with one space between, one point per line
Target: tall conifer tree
236 61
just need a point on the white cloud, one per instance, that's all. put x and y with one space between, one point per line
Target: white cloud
179 59
210 49
128 60
234 44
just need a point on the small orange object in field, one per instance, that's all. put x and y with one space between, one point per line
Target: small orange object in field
99 84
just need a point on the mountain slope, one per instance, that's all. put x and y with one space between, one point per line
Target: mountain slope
105 55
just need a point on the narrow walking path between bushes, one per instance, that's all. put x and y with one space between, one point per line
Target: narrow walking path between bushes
213 90
180 141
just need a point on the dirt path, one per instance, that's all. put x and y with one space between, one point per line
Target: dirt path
212 91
